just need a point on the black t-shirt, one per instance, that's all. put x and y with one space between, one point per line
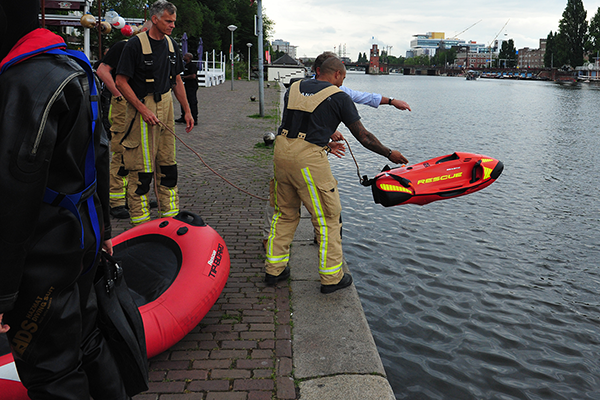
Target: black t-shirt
190 68
325 119
112 57
132 65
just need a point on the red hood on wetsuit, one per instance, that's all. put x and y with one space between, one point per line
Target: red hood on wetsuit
35 42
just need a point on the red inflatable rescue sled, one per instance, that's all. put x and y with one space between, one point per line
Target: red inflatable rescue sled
440 178
175 269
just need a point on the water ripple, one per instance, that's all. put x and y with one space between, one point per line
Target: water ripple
494 295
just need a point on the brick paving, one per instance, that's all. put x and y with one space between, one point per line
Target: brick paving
242 349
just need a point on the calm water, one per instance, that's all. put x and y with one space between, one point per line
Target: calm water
494 295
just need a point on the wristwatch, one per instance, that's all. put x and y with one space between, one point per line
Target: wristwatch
390 100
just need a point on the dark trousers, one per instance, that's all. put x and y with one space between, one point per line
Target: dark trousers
191 91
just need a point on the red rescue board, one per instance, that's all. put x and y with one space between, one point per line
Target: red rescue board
440 178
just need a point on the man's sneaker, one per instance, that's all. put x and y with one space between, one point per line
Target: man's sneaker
344 283
180 120
119 212
272 280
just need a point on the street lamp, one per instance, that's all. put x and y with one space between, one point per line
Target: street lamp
232 28
249 45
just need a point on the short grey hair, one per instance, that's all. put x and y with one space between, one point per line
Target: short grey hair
160 6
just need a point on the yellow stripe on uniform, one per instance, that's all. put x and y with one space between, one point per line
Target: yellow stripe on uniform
271 259
145 143
320 216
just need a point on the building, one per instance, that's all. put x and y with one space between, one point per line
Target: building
285 69
286 47
428 44
532 58
375 66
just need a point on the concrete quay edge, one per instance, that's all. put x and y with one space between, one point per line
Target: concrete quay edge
334 353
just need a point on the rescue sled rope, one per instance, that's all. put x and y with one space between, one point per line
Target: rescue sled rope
207 166
355 162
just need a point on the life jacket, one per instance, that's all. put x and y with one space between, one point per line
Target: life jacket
149 62
42 41
305 105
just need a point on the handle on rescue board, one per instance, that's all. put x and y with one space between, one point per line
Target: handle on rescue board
476 168
190 218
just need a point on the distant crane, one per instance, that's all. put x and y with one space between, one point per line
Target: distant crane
495 37
460 33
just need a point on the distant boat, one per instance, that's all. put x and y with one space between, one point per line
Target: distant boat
471 75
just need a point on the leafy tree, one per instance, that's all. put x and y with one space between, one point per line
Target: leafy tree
418 60
444 56
550 50
393 60
508 54
362 58
573 29
594 35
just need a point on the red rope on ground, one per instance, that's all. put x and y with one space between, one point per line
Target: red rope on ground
207 166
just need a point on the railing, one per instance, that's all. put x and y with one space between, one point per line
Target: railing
212 72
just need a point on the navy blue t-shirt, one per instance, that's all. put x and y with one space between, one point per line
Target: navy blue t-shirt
325 119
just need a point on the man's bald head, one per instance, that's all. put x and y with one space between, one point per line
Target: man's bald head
332 70
332 65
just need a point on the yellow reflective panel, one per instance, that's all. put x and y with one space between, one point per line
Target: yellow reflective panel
394 188
487 172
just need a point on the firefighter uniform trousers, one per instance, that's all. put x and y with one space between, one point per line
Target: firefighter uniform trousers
303 175
118 173
150 149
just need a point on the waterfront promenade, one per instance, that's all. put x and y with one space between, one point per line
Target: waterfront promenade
258 342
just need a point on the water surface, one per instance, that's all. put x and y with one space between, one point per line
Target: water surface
493 295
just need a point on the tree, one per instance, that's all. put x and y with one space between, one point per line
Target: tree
550 56
573 29
594 35
418 60
443 56
508 54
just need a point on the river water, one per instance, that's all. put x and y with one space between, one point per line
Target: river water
494 295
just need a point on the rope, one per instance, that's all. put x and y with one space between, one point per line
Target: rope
355 162
207 166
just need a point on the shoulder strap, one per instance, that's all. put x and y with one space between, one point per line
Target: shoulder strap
70 201
297 101
148 62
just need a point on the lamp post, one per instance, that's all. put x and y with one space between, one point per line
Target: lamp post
249 45
232 28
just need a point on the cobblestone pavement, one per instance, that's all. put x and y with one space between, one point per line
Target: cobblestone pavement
242 349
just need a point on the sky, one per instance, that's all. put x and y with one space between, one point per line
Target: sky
316 26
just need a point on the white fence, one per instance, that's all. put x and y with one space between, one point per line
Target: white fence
213 72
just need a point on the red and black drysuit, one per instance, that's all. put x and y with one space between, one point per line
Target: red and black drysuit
48 251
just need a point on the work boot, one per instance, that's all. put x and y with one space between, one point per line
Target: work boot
271 280
344 283
119 212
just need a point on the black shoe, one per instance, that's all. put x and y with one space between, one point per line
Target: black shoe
180 120
153 204
119 212
195 122
272 280
344 283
